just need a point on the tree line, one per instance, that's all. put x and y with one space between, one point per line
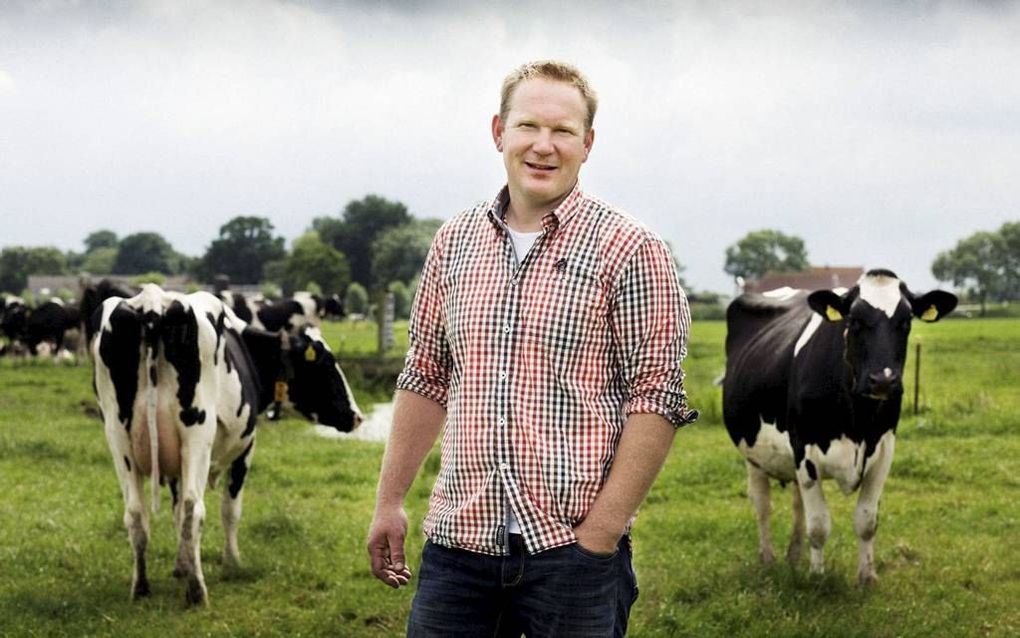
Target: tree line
373 244
983 267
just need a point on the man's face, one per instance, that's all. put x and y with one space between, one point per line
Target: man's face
543 142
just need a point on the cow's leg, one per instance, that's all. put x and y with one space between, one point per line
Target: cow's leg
136 515
230 506
758 491
195 459
816 512
866 514
796 548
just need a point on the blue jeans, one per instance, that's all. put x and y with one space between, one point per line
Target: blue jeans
560 592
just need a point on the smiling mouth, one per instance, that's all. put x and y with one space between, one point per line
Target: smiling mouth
539 167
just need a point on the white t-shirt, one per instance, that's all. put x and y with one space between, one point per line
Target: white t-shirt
523 242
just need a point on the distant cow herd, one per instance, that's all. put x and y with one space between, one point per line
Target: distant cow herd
812 391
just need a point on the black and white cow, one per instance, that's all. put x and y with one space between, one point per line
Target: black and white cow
180 381
291 314
48 324
13 317
812 390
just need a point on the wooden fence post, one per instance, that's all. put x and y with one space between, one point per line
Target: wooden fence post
917 374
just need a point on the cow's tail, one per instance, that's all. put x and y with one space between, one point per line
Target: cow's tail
153 309
151 422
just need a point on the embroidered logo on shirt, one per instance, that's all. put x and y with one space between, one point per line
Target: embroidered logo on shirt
560 265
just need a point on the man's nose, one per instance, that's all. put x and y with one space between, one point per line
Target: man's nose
543 143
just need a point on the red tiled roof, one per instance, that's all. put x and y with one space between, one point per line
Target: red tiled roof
812 279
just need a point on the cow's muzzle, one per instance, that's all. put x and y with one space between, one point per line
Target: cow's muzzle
882 385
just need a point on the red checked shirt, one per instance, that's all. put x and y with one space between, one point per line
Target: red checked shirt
539 363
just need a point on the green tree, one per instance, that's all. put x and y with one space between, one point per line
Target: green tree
974 261
145 252
312 260
100 239
765 250
244 246
18 262
398 253
356 299
355 232
100 261
1009 246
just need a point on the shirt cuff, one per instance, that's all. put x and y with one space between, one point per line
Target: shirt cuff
671 407
427 387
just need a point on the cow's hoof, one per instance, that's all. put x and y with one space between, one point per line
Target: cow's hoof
231 561
794 554
196 593
140 590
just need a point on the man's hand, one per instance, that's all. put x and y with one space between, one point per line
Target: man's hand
386 546
595 540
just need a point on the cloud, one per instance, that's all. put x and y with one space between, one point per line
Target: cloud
6 82
878 132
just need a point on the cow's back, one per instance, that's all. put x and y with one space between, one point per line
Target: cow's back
761 333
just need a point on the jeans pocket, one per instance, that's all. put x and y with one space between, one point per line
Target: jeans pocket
587 553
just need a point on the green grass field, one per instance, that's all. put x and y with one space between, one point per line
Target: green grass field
948 549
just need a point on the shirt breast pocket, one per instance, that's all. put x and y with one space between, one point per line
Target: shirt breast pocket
566 317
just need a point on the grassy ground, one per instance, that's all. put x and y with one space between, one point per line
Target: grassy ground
948 552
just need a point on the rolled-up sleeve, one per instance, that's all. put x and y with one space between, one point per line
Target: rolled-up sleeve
651 324
428 363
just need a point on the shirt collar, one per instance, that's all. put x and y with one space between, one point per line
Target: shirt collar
551 221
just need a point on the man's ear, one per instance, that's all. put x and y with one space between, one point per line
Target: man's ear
831 306
934 305
589 139
497 132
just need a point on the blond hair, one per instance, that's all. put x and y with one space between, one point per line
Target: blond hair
550 70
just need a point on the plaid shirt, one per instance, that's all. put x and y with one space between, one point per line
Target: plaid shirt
539 363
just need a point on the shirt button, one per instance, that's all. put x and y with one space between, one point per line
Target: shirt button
502 375
513 282
504 466
506 328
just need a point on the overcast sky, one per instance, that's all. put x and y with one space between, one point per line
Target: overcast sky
880 134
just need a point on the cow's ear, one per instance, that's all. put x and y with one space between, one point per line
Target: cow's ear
828 304
934 305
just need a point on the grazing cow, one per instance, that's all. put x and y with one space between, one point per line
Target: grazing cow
329 306
242 306
180 381
292 314
13 317
48 323
812 390
93 296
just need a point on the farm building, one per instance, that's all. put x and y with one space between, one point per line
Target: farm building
814 278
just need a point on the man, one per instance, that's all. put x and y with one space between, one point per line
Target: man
547 332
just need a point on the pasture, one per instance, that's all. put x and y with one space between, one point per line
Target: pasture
948 547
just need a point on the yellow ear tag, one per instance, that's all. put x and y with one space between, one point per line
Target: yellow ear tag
310 353
931 314
832 314
280 391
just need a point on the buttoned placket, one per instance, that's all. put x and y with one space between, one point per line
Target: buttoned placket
515 272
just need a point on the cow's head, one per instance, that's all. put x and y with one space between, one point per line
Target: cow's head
333 306
876 314
317 387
